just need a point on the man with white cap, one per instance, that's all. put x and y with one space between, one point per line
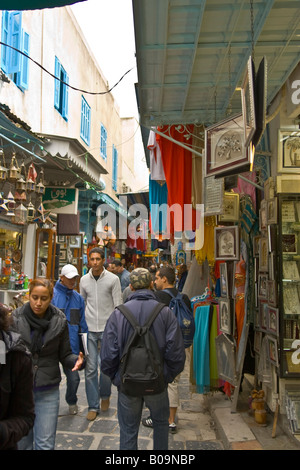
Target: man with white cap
67 299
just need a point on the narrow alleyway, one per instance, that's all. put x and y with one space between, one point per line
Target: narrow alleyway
204 423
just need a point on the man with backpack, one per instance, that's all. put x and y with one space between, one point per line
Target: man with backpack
142 360
165 279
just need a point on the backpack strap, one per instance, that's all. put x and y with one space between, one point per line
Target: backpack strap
169 292
127 314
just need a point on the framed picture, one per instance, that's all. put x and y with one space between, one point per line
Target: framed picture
227 243
223 280
272 217
263 314
273 321
63 255
257 341
289 243
291 301
261 80
263 215
290 270
289 151
75 241
248 102
262 286
272 293
231 208
272 350
225 151
263 254
225 316
256 245
61 239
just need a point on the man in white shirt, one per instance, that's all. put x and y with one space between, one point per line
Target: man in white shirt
101 291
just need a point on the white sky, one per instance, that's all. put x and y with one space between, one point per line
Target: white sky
108 28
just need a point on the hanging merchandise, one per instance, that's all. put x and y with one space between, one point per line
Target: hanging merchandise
3 169
11 204
13 169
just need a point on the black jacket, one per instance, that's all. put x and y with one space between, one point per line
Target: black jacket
56 347
16 395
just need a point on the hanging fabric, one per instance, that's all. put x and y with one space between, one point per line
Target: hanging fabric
201 370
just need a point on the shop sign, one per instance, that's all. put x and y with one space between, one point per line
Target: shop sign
61 200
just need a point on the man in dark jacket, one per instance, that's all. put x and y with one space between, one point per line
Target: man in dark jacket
16 394
169 339
67 299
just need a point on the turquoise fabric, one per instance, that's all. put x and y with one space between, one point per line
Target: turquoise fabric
201 355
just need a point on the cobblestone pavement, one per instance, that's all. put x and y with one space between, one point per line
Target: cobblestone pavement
195 428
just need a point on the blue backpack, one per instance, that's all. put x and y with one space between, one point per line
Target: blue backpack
184 317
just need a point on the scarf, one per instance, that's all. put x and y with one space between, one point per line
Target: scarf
38 327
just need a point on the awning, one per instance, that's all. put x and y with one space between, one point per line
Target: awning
69 163
139 197
106 199
35 4
16 135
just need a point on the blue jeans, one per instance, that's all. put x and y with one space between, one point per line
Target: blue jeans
95 388
73 381
42 436
129 416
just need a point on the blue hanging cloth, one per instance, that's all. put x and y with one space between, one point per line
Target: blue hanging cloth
201 369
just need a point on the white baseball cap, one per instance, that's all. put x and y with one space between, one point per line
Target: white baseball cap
69 271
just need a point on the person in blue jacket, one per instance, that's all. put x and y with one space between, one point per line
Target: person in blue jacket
67 299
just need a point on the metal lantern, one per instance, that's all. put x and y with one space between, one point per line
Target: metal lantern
30 212
21 214
3 169
11 204
13 173
40 187
20 196
3 206
21 184
30 185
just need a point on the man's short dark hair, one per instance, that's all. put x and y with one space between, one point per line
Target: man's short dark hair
116 262
168 272
97 250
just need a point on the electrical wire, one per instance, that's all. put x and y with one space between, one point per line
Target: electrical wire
65 83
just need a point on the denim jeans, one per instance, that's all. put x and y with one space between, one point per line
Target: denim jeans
42 436
73 381
95 388
129 416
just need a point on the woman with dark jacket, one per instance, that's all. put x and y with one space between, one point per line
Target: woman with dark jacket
16 395
44 330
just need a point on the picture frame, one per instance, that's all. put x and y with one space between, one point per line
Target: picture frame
75 241
273 321
262 286
263 215
257 341
289 243
225 152
263 315
272 348
231 207
272 211
263 255
288 151
272 293
223 280
227 243
62 255
61 239
256 239
261 81
248 102
225 323
291 301
290 270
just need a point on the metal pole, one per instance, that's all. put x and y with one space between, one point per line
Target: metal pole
22 148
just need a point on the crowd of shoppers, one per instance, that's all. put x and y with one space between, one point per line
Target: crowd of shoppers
57 326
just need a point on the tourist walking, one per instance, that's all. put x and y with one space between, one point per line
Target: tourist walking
101 291
167 333
16 393
44 329
71 303
124 275
165 278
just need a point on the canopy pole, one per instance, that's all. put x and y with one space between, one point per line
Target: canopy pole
176 142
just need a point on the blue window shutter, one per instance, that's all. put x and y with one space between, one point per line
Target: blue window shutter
57 83
5 51
65 102
24 73
115 169
103 144
15 41
85 124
